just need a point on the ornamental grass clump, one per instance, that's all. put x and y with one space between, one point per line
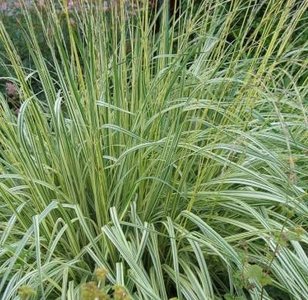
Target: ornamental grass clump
156 156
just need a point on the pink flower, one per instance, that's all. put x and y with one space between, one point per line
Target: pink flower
41 3
17 5
3 6
11 90
70 4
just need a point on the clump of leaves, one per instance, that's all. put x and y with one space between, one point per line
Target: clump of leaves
175 158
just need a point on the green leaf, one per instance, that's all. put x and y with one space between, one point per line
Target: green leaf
254 272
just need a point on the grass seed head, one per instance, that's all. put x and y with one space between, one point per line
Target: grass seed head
26 292
101 274
120 293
